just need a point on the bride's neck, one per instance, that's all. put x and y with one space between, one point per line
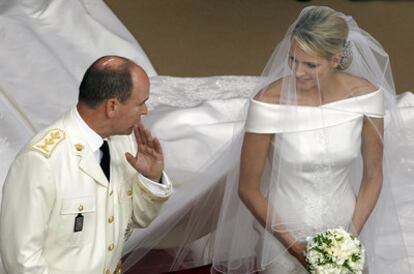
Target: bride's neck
327 87
323 92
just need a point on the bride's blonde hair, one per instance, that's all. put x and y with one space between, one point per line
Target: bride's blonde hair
322 32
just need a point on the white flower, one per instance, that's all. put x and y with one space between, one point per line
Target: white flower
334 251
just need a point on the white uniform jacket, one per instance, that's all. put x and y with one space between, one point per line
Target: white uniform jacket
56 179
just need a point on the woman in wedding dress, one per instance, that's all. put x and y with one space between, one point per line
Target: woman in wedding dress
315 155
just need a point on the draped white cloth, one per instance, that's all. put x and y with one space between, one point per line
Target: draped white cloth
44 53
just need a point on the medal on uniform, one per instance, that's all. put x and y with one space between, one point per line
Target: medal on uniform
78 223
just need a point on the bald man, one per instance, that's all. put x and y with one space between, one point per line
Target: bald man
75 191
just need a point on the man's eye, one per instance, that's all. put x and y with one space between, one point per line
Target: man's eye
310 65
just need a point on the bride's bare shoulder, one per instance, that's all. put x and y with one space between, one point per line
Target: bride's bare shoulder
357 85
271 93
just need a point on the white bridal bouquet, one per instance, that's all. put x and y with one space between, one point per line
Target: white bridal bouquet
334 251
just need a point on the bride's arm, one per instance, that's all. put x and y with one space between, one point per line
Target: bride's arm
372 152
253 157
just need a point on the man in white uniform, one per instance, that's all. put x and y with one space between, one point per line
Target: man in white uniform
75 191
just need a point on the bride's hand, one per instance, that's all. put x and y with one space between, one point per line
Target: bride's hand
297 251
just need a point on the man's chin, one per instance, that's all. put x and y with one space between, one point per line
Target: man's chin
125 132
129 131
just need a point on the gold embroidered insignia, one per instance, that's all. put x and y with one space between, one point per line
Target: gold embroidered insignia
48 143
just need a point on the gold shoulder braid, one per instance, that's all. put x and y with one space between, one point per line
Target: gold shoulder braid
48 143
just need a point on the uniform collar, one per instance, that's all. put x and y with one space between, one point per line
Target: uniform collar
92 138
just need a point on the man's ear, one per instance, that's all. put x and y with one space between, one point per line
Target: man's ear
111 107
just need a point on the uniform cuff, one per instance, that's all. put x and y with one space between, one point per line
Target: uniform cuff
163 190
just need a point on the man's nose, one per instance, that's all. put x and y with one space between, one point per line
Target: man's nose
144 110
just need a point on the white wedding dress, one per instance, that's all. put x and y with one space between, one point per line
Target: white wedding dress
324 142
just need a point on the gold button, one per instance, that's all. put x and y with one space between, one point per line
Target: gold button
110 193
79 147
107 271
110 219
111 247
80 208
129 192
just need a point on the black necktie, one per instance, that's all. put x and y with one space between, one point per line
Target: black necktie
106 159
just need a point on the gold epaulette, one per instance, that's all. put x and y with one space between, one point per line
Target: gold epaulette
49 142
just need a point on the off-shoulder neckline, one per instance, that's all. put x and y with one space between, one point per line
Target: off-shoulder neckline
322 105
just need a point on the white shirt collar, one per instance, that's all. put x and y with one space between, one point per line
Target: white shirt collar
92 138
